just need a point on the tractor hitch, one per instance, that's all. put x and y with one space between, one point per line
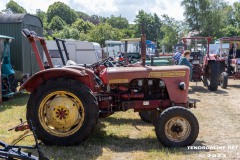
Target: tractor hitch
14 152
21 127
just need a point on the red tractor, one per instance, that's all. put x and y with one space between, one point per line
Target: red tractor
232 66
66 103
206 67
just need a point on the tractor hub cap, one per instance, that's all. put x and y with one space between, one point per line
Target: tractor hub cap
177 129
61 113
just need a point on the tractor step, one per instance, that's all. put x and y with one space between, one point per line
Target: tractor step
191 103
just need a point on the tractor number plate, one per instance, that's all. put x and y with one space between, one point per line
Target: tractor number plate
196 62
145 103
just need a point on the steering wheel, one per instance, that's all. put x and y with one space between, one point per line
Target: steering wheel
105 62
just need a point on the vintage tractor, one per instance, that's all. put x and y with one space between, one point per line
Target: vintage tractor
66 103
9 83
206 68
232 65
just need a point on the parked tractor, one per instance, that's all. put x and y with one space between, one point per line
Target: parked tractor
232 65
206 67
8 81
66 103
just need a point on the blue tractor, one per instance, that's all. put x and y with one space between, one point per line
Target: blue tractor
9 83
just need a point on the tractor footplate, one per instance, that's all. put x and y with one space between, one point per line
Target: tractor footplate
192 103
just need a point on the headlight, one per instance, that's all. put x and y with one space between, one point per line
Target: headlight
182 86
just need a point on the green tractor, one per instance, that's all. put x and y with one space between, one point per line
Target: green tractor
9 83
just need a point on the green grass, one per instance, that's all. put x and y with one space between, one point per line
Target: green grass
121 136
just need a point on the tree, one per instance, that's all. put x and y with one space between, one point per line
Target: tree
230 31
171 32
63 11
43 16
12 7
196 12
236 13
88 26
57 23
207 17
152 25
82 26
68 33
118 22
104 32
79 24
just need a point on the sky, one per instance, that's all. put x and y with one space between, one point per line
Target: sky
106 8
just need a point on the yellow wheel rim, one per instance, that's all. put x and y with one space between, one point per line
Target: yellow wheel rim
177 129
61 113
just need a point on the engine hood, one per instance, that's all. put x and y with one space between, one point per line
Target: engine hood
121 75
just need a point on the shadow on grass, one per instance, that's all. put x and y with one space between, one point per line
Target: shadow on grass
100 140
234 86
202 89
120 121
19 99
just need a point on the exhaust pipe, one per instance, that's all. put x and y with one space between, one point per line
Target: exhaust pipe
143 46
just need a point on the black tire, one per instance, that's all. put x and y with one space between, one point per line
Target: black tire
170 114
213 76
13 83
224 80
69 86
145 116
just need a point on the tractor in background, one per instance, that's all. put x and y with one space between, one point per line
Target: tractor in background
206 67
232 65
8 81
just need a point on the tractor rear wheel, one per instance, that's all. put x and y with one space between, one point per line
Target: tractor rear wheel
213 76
176 127
145 116
63 111
224 80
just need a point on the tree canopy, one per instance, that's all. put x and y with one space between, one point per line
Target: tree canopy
12 7
57 23
103 32
215 18
212 18
118 22
63 11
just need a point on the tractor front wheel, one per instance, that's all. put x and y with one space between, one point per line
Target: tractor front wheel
176 127
224 80
63 111
145 116
213 78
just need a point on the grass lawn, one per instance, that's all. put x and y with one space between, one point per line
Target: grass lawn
125 136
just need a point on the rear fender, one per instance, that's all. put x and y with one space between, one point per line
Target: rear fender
37 79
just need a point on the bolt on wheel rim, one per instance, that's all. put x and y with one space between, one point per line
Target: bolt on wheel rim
61 113
177 129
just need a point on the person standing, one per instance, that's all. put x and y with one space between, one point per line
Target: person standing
176 57
184 60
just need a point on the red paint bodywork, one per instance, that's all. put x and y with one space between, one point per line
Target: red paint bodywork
234 61
176 95
120 79
139 105
85 76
